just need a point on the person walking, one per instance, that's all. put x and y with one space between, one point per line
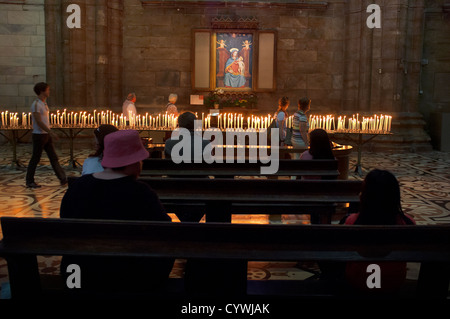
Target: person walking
43 137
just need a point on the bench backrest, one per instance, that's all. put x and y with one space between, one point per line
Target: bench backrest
159 167
252 190
217 240
218 199
25 238
256 190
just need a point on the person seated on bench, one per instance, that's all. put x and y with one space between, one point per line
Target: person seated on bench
115 194
93 163
319 148
186 120
379 205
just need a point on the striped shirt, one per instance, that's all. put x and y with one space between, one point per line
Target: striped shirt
299 117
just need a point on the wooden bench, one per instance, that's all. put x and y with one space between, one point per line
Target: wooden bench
25 238
219 199
166 167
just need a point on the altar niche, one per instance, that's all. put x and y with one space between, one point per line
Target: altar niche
234 60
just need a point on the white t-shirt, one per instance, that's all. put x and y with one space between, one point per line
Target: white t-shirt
92 165
127 107
40 107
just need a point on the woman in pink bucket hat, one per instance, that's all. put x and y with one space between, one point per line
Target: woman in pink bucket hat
116 194
124 153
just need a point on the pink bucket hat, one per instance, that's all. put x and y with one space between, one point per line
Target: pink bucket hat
123 148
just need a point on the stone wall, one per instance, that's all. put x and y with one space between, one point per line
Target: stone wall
325 53
329 55
310 55
22 52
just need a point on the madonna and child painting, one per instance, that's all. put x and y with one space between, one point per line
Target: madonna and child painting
234 61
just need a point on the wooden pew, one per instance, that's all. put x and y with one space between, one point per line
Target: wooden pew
25 238
220 198
165 167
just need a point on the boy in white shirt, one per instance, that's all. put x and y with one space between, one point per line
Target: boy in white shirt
43 137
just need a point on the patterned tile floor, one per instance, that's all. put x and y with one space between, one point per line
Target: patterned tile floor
424 179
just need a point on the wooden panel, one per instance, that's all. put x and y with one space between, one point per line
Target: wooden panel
255 190
159 167
202 60
266 61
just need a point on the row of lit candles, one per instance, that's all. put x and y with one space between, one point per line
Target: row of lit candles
224 121
85 119
236 121
375 123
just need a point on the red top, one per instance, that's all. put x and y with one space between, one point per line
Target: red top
400 221
392 274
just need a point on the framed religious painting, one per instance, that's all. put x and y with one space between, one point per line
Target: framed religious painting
234 60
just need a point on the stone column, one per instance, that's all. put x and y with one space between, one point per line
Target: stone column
383 69
86 64
101 53
115 29
54 50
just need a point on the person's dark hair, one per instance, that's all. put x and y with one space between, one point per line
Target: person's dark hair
186 120
380 200
100 133
303 104
320 145
282 104
40 87
284 101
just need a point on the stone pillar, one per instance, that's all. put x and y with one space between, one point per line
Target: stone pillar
383 70
54 55
86 64
115 29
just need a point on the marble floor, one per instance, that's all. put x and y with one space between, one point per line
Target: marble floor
424 179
